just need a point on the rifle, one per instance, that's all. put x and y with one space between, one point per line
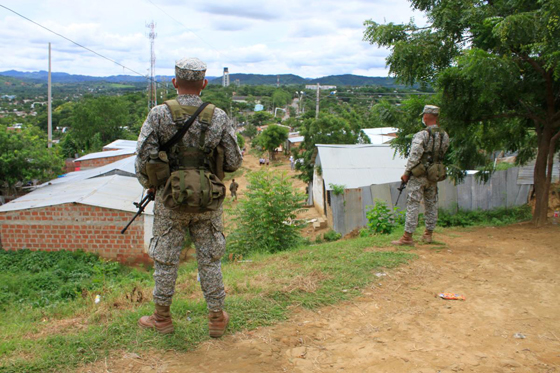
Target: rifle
400 189
141 206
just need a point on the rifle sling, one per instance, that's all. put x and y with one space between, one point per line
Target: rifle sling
179 135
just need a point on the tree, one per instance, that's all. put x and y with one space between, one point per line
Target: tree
98 121
261 118
495 64
24 156
250 131
266 217
271 138
281 98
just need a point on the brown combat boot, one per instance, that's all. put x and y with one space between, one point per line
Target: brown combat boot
427 236
160 320
405 240
218 322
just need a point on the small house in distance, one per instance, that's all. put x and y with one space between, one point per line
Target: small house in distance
352 166
103 158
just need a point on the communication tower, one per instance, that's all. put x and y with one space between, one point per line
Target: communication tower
225 78
152 94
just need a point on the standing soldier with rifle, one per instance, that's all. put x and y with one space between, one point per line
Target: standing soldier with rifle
183 149
423 171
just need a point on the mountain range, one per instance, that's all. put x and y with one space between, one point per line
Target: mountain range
245 79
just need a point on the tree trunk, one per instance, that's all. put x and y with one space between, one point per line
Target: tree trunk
540 177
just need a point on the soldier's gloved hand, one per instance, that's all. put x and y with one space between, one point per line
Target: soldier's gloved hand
405 177
151 191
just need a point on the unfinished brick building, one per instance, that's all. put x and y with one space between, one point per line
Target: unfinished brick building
85 210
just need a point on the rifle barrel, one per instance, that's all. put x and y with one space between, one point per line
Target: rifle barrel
141 206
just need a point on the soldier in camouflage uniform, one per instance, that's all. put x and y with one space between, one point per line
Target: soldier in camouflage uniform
170 226
428 140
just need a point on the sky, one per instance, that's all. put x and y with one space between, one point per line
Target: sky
311 38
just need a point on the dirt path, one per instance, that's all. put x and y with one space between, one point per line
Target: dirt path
508 323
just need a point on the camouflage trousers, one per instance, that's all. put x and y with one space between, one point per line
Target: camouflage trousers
169 231
420 188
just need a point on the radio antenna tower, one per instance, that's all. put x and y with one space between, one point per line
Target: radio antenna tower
152 94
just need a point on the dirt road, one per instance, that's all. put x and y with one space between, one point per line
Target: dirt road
510 321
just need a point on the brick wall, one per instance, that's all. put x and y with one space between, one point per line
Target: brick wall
98 162
73 227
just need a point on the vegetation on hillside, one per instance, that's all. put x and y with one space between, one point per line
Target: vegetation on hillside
496 68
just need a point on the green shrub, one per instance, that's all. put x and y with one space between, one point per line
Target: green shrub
331 236
495 217
381 219
266 218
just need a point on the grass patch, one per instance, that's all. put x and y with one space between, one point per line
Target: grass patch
496 217
62 335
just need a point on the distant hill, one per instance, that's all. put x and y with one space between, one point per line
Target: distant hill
257 79
354 80
287 79
247 79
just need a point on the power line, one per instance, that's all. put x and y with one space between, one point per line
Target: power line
72 41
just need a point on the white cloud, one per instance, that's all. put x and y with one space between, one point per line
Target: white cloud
310 38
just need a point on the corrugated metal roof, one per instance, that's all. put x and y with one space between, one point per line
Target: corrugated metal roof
106 154
356 166
379 136
296 139
113 192
527 173
124 167
121 144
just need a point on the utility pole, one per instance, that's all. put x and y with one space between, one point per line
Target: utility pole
152 94
317 106
49 104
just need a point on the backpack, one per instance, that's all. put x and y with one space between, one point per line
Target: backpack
194 186
434 169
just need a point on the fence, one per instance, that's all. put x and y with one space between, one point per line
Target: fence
348 211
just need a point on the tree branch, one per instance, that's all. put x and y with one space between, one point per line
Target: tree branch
533 63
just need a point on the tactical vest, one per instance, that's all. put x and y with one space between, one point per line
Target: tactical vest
196 171
431 164
196 157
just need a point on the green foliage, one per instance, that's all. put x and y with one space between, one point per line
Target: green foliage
331 236
218 97
240 141
24 156
503 166
281 98
103 116
250 131
266 218
381 219
39 278
496 66
495 217
271 138
260 118
338 190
